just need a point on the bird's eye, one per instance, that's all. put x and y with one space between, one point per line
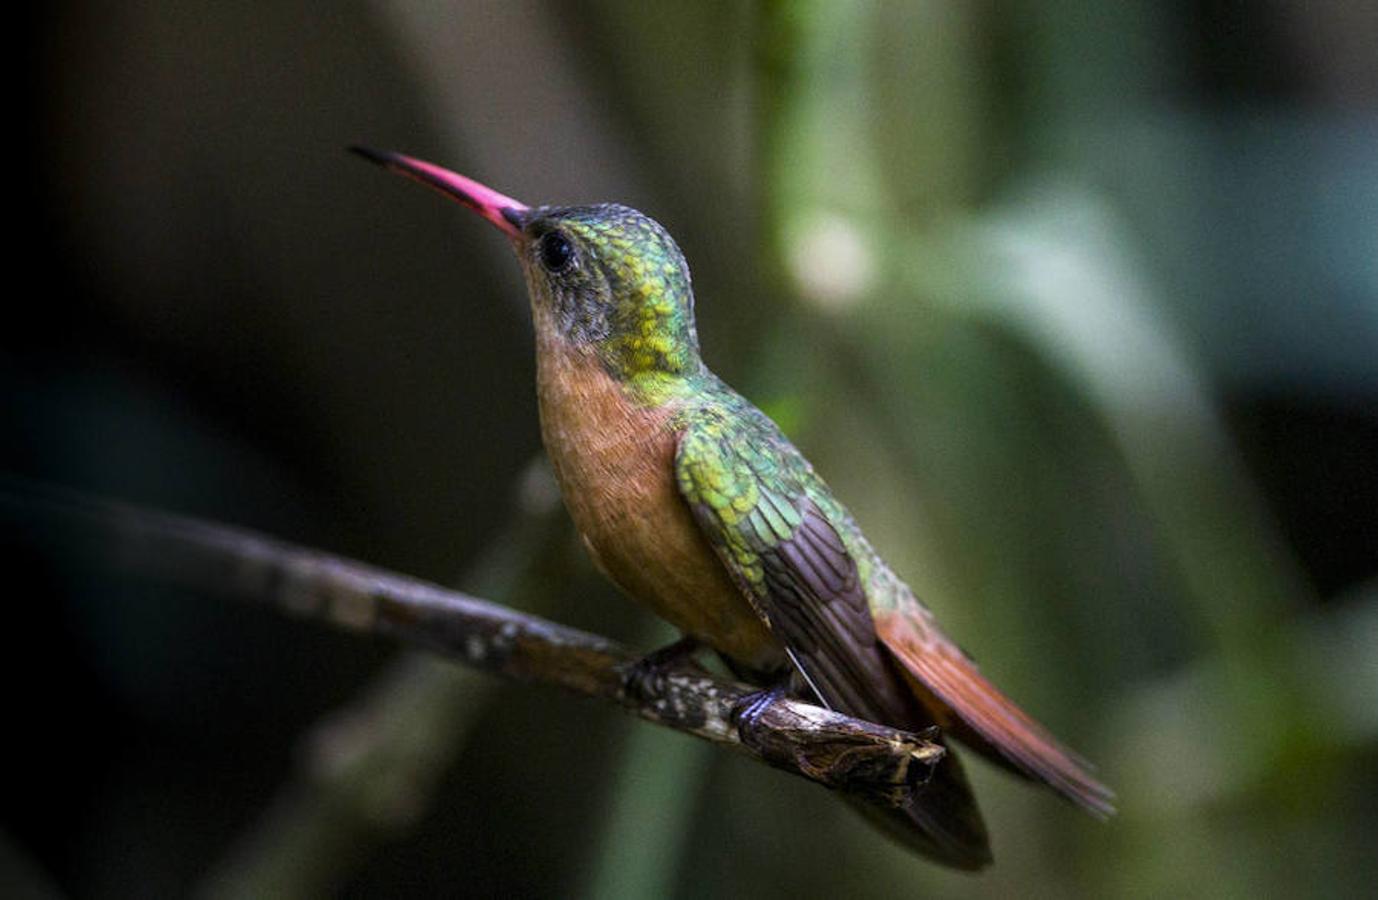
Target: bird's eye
556 252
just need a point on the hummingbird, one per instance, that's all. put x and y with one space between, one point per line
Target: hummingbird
693 502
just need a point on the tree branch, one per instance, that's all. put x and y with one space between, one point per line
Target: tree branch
884 765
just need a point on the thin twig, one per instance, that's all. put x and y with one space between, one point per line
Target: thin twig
884 765
367 772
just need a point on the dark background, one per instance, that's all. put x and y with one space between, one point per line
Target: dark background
1075 305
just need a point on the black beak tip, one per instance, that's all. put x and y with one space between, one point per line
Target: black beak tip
381 157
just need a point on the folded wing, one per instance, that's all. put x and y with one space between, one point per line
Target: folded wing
791 564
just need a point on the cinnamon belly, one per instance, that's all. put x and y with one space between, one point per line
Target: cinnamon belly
615 462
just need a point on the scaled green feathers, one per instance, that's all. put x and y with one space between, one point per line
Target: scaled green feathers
625 289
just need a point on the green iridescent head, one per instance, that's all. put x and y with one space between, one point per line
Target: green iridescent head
613 279
604 277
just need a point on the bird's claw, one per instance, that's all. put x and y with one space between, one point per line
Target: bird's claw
747 712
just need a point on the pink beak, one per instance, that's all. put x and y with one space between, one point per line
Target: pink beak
499 209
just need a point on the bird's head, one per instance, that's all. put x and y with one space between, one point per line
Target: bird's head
603 278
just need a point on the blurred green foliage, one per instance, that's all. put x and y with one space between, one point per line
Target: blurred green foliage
1022 279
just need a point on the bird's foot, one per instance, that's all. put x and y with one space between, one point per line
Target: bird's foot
747 712
644 678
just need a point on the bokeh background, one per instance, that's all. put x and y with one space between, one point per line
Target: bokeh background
1075 304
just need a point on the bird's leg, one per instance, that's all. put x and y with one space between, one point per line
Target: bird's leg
642 679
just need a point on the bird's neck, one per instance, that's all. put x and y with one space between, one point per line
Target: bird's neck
650 374
649 348
650 338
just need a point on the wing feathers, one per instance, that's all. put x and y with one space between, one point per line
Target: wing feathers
795 569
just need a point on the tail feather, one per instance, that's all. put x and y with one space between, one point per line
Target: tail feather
942 823
970 707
